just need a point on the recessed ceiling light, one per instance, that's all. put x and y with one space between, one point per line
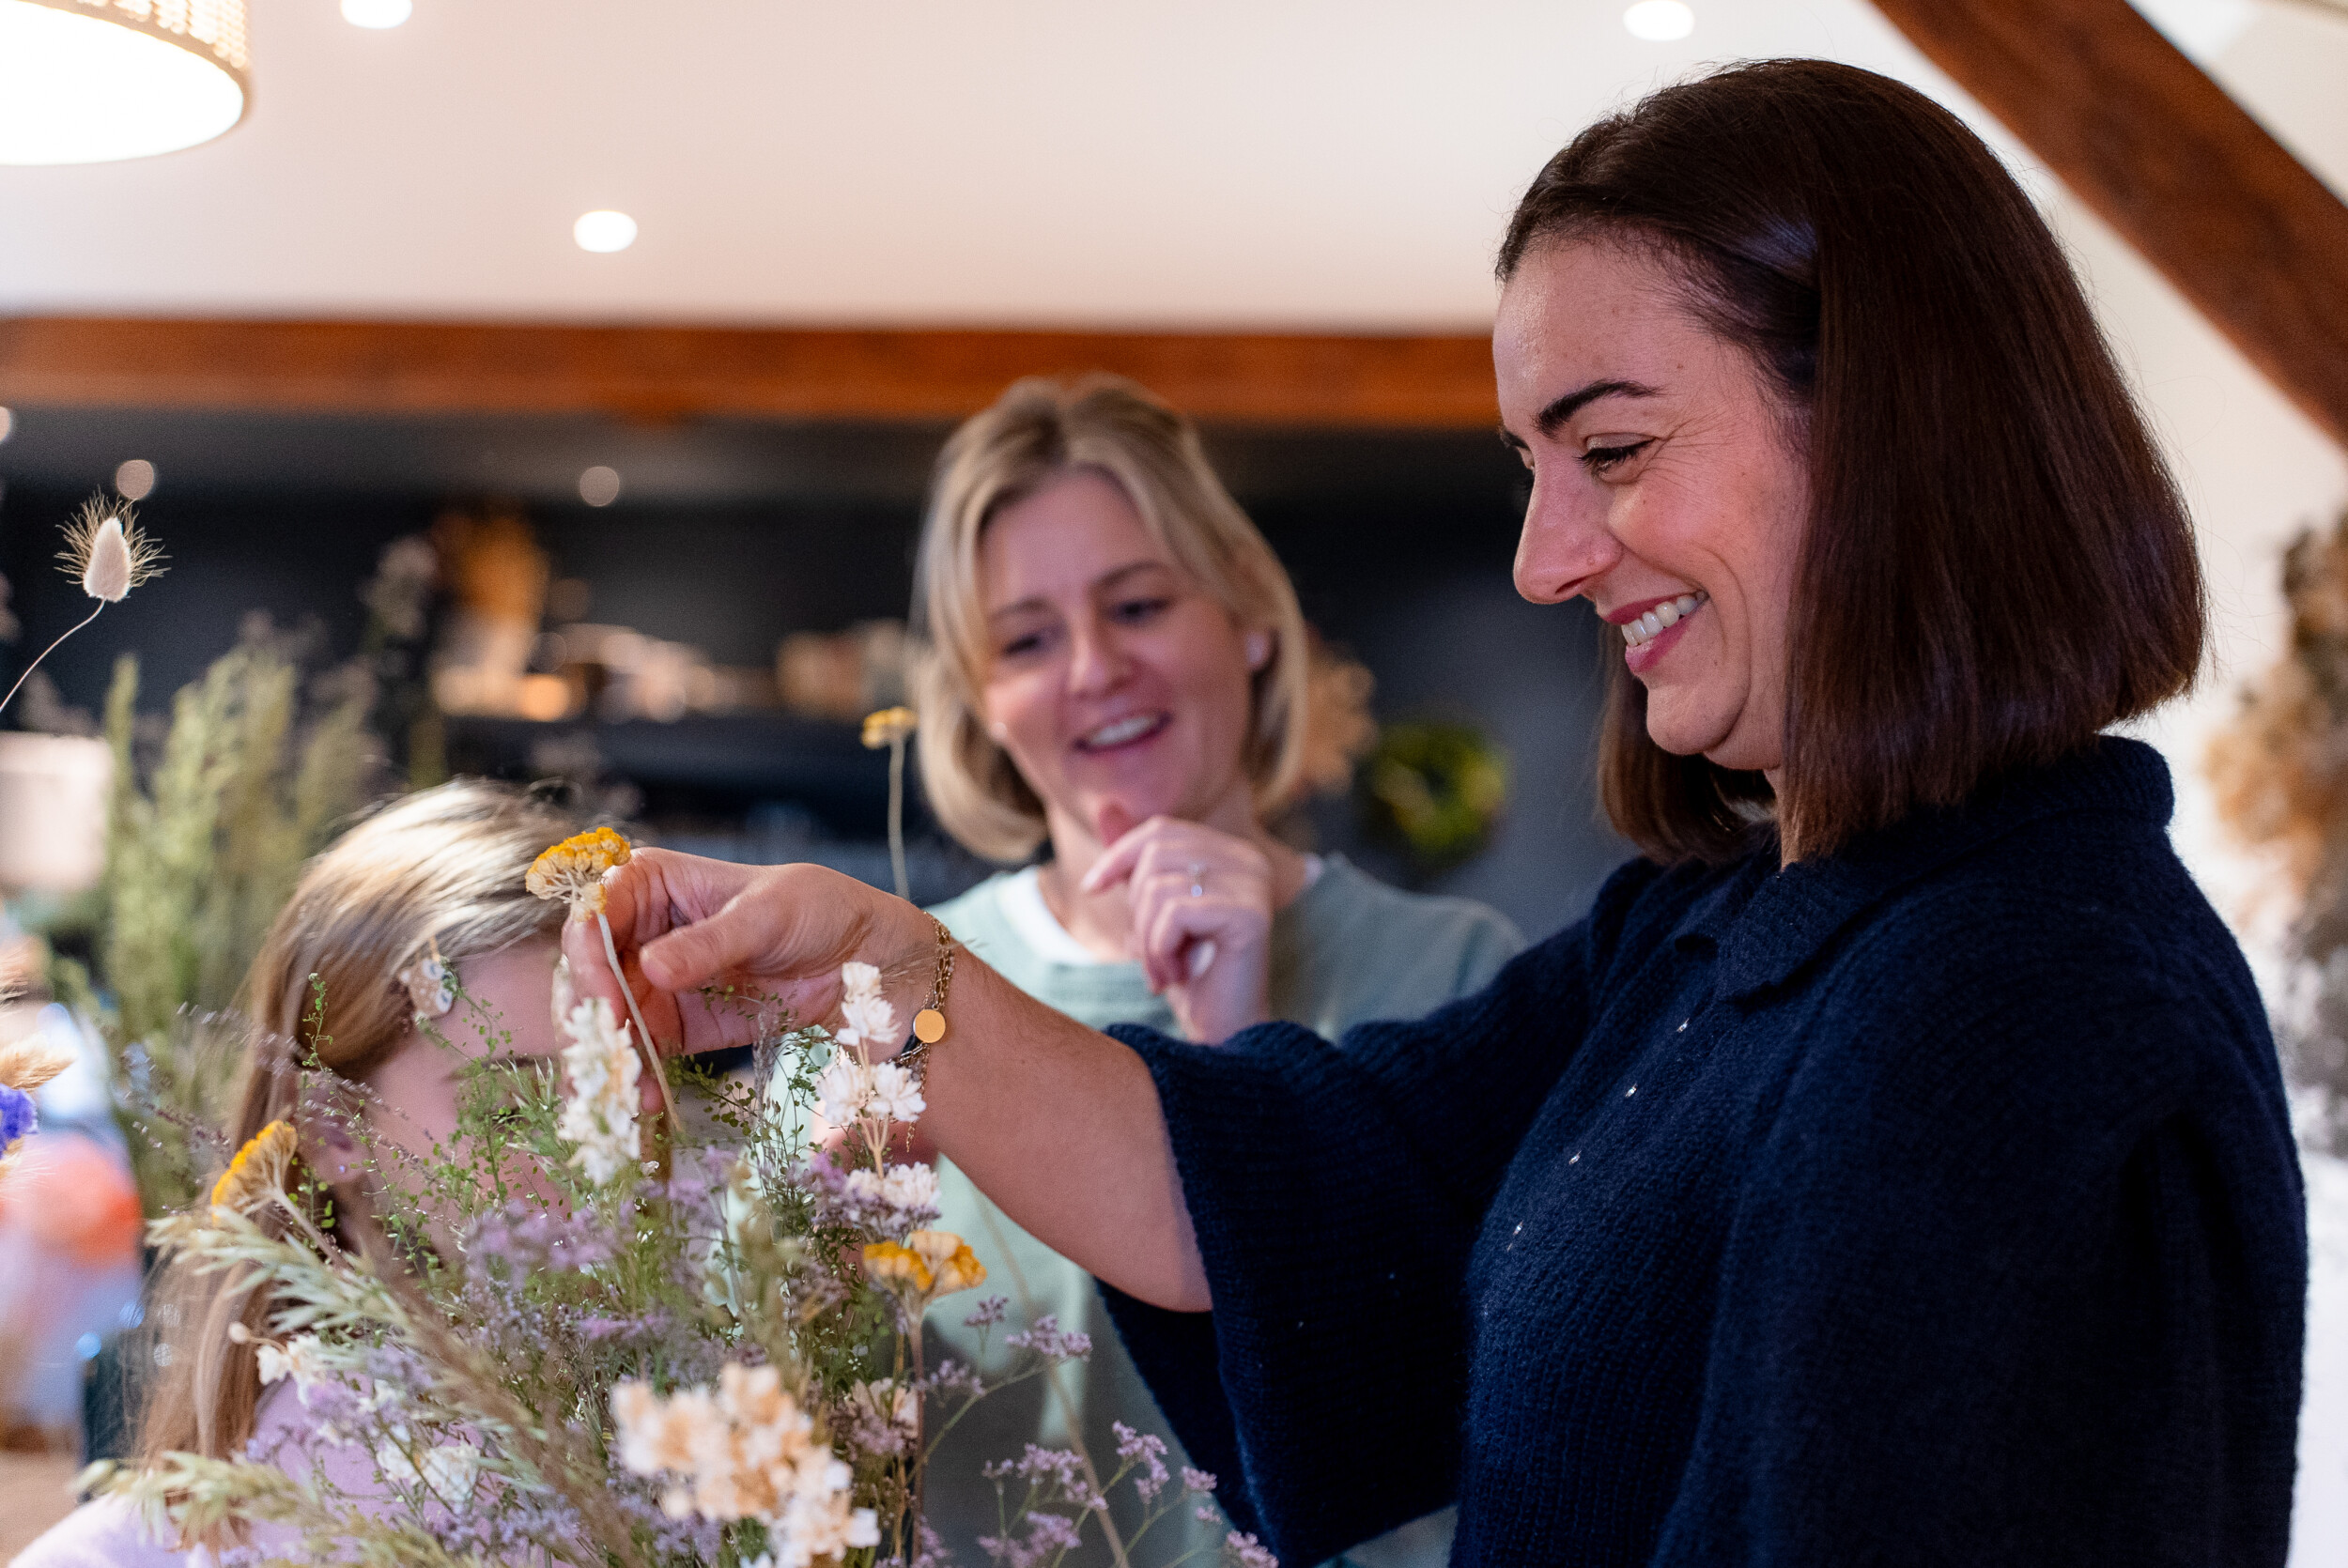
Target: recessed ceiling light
604 230
135 480
1660 21
377 13
599 485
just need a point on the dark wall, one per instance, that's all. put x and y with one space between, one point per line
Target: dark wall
1401 547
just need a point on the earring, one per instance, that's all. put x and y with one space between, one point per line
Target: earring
998 733
1259 650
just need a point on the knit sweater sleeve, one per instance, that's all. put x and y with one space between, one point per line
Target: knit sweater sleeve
1336 1188
1990 1296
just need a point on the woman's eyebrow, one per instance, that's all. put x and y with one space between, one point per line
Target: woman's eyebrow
1110 580
1105 580
1563 409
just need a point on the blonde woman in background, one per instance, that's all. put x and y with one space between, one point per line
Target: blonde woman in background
437 872
1112 669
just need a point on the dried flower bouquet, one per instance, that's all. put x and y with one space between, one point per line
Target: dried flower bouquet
543 1346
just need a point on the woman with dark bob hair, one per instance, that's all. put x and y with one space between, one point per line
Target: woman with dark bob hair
1892 1167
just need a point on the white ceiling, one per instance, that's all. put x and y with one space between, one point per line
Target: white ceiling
1340 163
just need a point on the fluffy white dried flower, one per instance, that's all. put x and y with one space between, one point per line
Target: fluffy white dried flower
302 1358
867 1017
599 1114
448 1470
908 1192
105 549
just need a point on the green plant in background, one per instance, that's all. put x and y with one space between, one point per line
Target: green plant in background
1436 790
202 850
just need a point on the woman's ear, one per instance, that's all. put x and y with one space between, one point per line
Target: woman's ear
1259 650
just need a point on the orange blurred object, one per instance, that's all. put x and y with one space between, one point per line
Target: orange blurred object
73 1196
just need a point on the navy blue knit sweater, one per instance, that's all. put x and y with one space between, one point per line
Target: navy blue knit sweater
1932 1203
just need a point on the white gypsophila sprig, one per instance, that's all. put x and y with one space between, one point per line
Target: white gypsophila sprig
600 1108
109 555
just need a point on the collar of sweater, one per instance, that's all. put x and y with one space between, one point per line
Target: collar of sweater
1767 923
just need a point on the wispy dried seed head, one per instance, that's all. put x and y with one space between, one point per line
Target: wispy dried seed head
104 548
29 1063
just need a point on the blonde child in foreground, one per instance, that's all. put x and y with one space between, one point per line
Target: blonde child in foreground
435 877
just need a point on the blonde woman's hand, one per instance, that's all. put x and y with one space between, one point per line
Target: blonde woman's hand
682 923
1202 903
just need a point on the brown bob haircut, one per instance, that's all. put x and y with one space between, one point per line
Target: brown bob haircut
1997 563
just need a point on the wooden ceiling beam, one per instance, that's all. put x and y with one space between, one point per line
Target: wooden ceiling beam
2197 187
666 373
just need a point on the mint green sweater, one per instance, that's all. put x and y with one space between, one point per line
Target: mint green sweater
1350 949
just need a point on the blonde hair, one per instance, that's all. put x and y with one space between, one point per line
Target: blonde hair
440 869
1038 430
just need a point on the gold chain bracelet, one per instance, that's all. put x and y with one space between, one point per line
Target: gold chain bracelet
929 1025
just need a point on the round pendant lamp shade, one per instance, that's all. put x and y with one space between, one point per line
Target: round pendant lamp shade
89 81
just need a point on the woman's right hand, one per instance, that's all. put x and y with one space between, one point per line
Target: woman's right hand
682 923
1057 1124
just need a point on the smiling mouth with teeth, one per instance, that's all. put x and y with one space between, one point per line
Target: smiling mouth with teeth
1121 733
1647 627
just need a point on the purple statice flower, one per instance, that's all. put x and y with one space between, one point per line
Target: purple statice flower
1200 1481
953 1379
19 1116
649 1326
884 1203
1048 1536
1055 1473
1143 1448
693 1537
1245 1551
339 1405
988 1312
929 1551
392 1369
527 1239
1048 1339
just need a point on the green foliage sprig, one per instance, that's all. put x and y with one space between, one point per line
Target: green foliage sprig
202 846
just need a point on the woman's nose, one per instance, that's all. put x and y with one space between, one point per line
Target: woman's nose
1095 664
1564 544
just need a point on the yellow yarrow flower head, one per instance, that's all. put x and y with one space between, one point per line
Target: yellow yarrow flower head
258 1170
931 1263
952 1265
896 1268
573 870
890 724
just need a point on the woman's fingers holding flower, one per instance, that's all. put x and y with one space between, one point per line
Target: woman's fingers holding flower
683 923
